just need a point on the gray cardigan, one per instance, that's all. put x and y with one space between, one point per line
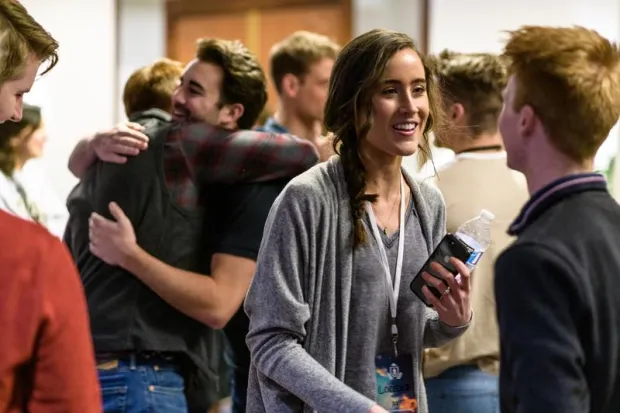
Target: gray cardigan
298 302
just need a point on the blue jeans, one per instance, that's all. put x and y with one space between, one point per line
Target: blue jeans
141 387
463 389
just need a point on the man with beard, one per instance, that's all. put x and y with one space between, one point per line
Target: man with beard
152 308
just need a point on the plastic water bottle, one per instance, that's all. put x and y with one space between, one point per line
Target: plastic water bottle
477 234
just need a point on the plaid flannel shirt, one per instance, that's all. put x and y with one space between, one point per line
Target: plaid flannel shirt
197 154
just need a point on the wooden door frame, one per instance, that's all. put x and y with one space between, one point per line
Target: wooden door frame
176 9
426 16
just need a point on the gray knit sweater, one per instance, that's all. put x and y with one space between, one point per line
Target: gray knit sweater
299 300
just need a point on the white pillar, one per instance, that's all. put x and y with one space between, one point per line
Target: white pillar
142 39
79 95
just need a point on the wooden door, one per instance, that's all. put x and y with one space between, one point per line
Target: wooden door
259 27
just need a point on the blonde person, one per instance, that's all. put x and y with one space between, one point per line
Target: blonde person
557 287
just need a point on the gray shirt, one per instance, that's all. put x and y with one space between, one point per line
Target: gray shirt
302 311
370 303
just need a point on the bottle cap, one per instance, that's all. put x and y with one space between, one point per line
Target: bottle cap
487 215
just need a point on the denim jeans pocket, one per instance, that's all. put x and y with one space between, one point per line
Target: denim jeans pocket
168 392
113 390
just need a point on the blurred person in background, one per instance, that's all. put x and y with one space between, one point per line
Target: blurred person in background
557 286
301 66
25 192
46 357
462 376
160 287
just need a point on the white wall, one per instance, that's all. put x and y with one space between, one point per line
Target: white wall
400 15
83 94
480 25
142 39
78 95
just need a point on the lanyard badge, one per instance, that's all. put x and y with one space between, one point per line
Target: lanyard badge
394 372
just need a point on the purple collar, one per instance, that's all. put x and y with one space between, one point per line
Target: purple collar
552 193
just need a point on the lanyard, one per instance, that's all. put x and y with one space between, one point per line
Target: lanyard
393 288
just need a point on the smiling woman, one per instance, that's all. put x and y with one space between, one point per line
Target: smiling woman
340 346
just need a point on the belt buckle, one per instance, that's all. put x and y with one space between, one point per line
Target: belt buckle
108 365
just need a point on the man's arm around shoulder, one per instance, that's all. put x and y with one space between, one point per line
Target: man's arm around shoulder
113 145
218 155
538 306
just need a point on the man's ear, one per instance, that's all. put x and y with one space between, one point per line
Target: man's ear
232 113
456 112
527 120
290 85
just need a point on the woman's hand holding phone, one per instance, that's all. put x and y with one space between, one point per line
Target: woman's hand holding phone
453 306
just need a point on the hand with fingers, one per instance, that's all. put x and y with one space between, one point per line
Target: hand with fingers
453 307
125 139
112 241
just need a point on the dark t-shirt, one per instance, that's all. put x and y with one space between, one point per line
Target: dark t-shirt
235 221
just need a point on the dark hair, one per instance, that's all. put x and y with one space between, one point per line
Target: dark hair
244 79
356 74
31 118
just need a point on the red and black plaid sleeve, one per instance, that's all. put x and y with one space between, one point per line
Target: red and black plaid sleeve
218 155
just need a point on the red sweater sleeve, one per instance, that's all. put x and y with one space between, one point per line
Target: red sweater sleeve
65 376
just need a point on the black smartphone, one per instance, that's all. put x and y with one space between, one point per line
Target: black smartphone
450 246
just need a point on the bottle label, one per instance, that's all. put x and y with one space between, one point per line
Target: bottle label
474 258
